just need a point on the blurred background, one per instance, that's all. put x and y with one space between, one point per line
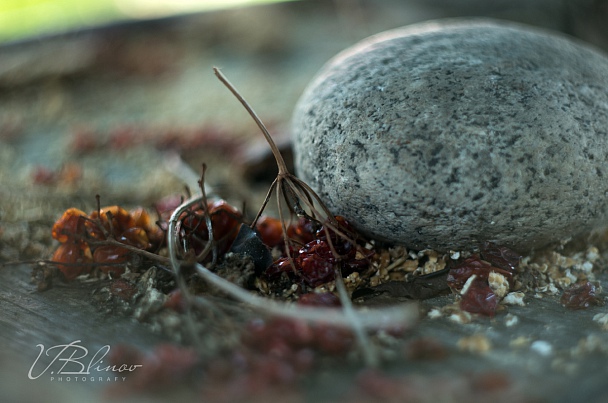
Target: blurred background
22 19
26 18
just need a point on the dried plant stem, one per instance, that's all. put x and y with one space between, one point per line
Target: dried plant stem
297 194
273 147
369 352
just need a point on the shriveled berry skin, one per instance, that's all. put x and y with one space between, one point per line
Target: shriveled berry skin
90 240
302 231
135 236
581 296
480 299
70 227
111 259
76 259
121 221
316 262
477 296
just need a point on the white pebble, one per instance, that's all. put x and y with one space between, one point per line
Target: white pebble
542 347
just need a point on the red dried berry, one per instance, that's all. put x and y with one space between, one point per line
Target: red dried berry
316 262
77 259
167 365
458 275
167 205
303 231
580 296
224 218
225 221
281 265
124 354
500 256
479 298
343 226
278 334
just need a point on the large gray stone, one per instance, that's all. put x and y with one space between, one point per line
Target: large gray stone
447 134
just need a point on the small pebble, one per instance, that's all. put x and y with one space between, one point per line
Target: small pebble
542 347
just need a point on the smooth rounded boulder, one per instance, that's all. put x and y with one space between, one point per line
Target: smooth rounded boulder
448 134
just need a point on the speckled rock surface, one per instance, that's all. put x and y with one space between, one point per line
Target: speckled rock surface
447 134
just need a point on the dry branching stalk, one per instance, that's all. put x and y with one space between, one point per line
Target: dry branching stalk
299 199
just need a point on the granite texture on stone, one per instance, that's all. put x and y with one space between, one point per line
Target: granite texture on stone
450 133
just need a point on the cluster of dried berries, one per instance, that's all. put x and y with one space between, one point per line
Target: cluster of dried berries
483 279
321 250
82 239
276 353
272 354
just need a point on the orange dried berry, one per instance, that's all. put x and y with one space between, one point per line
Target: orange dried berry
270 231
142 219
77 259
70 227
111 259
136 237
121 221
